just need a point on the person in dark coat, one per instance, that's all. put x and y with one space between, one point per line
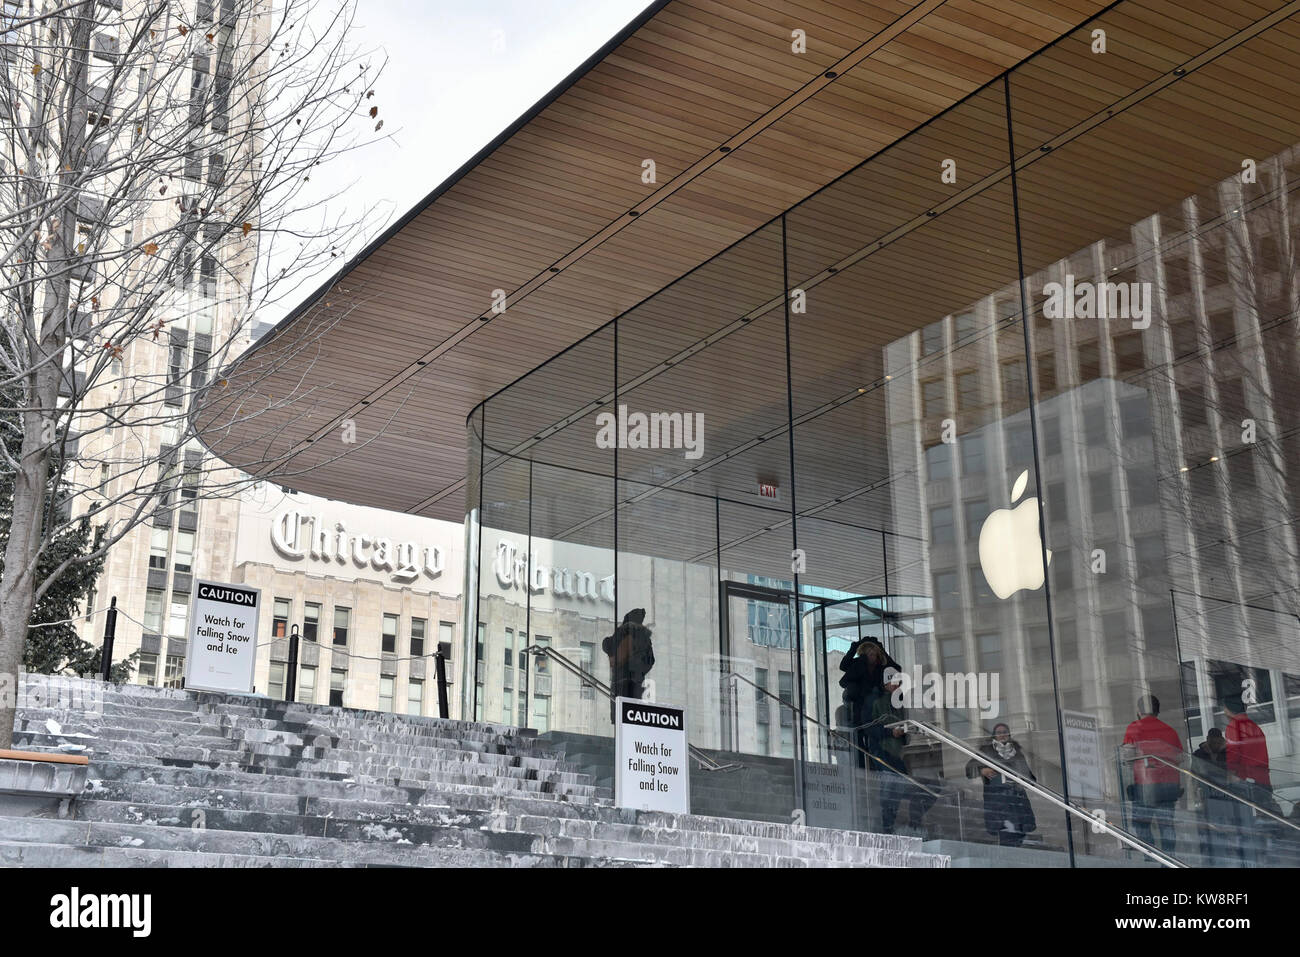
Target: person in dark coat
1219 838
1007 811
631 656
864 667
889 765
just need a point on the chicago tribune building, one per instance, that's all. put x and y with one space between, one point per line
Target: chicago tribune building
985 355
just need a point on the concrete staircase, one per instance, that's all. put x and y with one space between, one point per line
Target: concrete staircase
189 779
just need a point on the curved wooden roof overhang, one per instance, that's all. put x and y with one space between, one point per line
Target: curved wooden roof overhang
556 216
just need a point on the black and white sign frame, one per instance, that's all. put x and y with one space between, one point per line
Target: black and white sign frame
218 598
659 729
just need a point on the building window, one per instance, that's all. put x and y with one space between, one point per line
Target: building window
153 611
159 541
587 661
478 647
510 652
968 390
275 681
946 593
932 338
310 620
964 327
417 637
307 685
388 641
785 691
148 671
180 613
941 527
280 618
541 664
934 398
1045 367
338 677
1015 383
1089 361
183 560
342 618
972 455
446 631
174 675
990 652
1129 356
385 694
938 462
415 697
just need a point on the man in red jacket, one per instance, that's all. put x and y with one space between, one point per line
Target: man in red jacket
1155 784
1248 769
1247 748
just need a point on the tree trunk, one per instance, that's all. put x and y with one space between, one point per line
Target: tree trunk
41 390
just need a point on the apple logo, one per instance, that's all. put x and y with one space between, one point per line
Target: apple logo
1009 545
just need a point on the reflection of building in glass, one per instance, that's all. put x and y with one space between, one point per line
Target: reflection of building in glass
1166 489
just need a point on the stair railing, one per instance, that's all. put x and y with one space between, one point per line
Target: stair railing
1045 793
833 732
1209 783
704 762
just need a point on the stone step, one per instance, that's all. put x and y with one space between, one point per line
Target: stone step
31 854
196 774
72 722
187 839
135 745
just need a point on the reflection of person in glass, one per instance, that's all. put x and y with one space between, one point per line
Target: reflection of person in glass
1007 812
1218 810
1156 779
885 745
631 656
1247 762
864 667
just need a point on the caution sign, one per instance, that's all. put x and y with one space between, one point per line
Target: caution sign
651 771
223 638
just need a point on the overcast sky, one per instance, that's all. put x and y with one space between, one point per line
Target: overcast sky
458 73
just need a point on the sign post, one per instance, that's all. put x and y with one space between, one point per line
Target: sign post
1083 753
651 771
223 638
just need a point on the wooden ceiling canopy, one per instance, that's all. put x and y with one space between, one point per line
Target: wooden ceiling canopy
404 341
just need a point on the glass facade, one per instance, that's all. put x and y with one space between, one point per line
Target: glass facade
1013 401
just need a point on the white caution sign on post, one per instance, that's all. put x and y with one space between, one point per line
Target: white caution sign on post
651 771
223 638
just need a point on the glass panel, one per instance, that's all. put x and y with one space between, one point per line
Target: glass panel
1163 294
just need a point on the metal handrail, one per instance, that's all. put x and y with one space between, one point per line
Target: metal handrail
1046 793
1205 781
835 732
546 651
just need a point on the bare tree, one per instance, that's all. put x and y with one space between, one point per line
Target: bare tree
154 162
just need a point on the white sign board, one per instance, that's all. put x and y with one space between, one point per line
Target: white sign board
223 638
651 771
1082 753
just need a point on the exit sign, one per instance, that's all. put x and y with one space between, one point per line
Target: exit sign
769 490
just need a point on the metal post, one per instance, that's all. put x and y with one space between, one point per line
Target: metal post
110 632
291 679
440 665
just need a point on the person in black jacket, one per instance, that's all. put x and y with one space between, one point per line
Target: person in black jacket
631 656
1007 811
864 667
